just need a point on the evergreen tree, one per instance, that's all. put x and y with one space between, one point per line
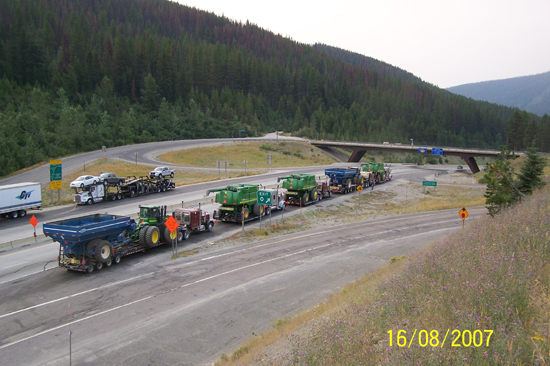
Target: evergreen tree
501 192
530 177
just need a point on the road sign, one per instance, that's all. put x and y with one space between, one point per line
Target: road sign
463 213
360 188
437 151
55 185
33 221
429 183
171 224
422 150
264 197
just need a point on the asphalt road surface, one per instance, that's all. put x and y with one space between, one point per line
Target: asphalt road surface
188 311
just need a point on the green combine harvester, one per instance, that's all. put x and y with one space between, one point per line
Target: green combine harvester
381 173
301 189
239 203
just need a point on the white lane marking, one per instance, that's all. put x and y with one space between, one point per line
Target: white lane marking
183 286
75 295
73 322
221 255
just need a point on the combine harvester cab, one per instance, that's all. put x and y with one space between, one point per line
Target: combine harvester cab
93 241
239 203
345 180
301 189
380 173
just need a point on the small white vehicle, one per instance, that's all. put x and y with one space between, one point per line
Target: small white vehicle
162 171
85 180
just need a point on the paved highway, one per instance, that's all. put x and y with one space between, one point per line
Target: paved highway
187 311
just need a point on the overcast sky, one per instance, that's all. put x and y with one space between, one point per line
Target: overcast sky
444 42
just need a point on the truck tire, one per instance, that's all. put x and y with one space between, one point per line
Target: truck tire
246 213
116 259
109 262
313 195
186 234
13 215
113 197
209 226
180 235
90 268
22 213
171 175
132 193
142 235
257 209
152 238
170 237
103 251
89 201
99 266
267 211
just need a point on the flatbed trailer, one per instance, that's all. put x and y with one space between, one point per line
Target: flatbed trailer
93 241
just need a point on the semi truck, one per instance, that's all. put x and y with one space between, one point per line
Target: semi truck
16 199
345 180
97 192
301 189
93 241
192 220
239 203
380 172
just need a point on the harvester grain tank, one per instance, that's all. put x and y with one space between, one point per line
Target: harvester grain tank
344 180
301 189
239 202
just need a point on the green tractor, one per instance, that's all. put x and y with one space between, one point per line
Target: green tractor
239 203
150 229
301 189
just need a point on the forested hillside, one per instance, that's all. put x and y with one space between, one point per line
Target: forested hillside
79 74
530 93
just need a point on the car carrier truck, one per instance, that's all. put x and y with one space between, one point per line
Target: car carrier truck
16 199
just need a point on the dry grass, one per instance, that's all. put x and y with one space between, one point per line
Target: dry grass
285 154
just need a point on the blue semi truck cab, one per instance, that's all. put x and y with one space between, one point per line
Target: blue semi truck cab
93 241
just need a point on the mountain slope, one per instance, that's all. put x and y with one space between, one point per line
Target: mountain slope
530 93
80 74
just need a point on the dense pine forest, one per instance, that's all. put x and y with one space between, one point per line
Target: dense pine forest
79 74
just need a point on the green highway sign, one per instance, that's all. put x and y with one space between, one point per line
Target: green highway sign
264 197
429 183
55 170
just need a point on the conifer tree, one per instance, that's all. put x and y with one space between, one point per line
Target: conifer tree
530 177
501 192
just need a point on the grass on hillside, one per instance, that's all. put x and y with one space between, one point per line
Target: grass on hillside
493 276
124 169
285 154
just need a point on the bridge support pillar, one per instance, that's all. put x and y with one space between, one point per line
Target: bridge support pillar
472 163
356 155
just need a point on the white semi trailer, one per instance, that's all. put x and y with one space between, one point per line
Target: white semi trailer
16 199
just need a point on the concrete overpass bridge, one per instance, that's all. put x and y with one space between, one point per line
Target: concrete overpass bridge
359 149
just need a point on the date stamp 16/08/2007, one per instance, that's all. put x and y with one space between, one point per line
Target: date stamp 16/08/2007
464 338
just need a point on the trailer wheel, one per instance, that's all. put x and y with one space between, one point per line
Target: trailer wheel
22 213
246 213
116 259
305 199
163 188
90 268
209 226
143 234
109 262
169 237
171 175
103 251
13 215
186 234
267 211
99 266
113 197
119 196
152 238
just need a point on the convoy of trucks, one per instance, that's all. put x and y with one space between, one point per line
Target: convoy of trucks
94 241
16 199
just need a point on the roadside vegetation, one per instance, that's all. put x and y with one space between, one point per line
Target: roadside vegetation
285 154
493 276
